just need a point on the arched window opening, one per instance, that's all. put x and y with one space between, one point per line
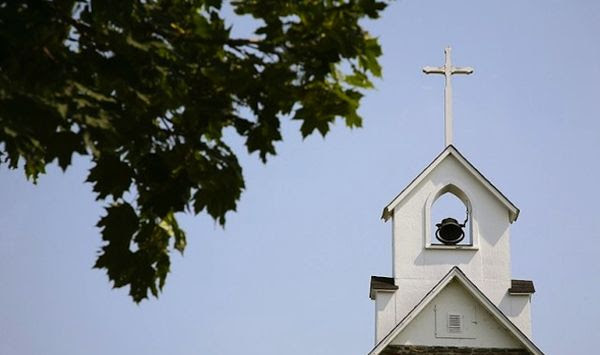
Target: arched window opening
450 221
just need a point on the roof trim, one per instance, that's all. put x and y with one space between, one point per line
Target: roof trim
451 150
456 273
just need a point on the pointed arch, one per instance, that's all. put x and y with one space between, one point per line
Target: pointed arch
463 195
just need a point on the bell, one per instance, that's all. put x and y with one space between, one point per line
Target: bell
449 231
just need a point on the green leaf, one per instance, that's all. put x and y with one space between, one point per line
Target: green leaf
110 176
62 145
358 79
170 226
119 224
369 59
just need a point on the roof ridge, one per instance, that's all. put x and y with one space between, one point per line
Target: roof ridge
451 149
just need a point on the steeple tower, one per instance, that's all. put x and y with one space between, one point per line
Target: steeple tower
447 290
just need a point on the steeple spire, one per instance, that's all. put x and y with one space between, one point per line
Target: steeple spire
447 70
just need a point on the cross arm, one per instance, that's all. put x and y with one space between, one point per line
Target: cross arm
433 70
462 70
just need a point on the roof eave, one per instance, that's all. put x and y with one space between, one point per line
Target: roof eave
381 284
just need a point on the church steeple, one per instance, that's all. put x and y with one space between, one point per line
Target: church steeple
458 293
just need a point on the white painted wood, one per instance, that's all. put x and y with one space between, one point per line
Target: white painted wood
447 70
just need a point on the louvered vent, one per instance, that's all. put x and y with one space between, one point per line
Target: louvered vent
454 323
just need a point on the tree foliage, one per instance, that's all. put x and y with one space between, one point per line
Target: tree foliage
146 90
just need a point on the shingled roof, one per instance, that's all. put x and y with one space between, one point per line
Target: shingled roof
521 287
380 283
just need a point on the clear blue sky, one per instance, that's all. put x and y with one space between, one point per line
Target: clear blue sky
290 273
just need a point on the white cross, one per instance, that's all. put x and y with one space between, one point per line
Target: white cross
447 70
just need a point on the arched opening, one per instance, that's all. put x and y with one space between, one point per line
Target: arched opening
446 207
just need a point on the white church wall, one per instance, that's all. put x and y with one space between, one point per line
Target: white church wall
479 328
385 314
489 216
518 310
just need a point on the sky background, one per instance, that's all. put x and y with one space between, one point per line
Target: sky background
290 272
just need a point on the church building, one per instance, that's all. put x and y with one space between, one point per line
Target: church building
451 291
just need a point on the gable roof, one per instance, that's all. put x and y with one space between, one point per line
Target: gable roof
456 274
451 150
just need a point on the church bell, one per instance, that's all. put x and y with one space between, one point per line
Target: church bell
450 231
